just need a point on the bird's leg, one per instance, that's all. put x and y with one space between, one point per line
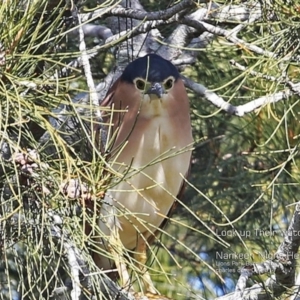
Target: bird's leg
116 249
141 257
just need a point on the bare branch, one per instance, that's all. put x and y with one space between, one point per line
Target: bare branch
142 15
74 268
141 28
180 37
87 71
235 13
239 110
93 30
202 26
254 73
294 87
283 264
241 284
78 266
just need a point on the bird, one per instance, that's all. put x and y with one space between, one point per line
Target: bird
150 147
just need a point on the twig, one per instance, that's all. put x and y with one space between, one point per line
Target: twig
112 40
141 28
94 30
180 37
241 284
200 25
87 71
254 73
156 19
184 61
235 13
294 87
142 15
72 254
77 265
239 110
283 265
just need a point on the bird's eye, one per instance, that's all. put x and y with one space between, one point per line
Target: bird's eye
140 84
168 84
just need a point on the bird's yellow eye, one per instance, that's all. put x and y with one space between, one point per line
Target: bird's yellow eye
140 84
168 84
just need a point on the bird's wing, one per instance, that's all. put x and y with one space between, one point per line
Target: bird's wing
153 237
107 101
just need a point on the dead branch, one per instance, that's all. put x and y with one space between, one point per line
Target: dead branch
193 30
239 110
283 267
141 15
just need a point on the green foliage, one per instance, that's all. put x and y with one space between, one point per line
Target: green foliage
34 261
244 177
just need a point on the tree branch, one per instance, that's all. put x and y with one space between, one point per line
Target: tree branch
283 265
227 34
141 15
239 110
94 30
88 74
246 11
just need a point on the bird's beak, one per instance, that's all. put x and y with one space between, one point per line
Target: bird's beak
156 89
